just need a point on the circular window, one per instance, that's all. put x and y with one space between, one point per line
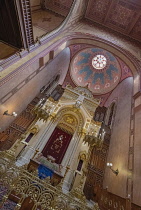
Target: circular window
99 62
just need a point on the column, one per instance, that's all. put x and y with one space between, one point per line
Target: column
135 152
72 160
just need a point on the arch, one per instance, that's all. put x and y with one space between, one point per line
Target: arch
68 122
110 115
68 110
126 56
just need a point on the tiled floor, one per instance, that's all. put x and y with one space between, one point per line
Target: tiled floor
6 50
45 21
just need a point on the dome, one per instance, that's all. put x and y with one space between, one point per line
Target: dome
97 69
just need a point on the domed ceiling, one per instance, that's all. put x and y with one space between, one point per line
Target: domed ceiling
97 69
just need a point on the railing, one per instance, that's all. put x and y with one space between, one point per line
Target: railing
44 161
42 195
13 58
110 201
39 40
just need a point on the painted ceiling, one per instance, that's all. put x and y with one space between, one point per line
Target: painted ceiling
123 16
97 69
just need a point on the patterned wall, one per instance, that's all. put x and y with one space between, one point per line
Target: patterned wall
122 16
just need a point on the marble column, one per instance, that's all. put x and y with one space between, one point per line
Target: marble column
72 161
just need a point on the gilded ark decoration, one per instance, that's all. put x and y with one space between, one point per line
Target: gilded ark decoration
41 113
71 117
41 193
68 122
76 116
83 155
34 129
93 141
44 109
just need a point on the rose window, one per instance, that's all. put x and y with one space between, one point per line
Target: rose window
99 62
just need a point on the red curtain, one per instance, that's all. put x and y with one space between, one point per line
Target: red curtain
57 145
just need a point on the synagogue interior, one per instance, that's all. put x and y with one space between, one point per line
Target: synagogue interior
70 104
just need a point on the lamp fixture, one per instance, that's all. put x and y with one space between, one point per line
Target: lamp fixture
14 114
116 172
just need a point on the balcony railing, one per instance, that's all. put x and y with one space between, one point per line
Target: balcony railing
23 184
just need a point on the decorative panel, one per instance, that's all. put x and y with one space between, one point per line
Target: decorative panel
110 201
122 15
57 145
97 9
96 168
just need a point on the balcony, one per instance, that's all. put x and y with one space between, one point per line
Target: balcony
45 21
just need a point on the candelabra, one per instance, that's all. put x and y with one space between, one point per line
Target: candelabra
116 172
14 114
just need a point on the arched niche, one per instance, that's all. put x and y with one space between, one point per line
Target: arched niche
128 58
63 142
111 113
74 114
68 122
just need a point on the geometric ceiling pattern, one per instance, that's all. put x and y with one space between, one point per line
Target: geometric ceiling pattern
123 16
97 69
